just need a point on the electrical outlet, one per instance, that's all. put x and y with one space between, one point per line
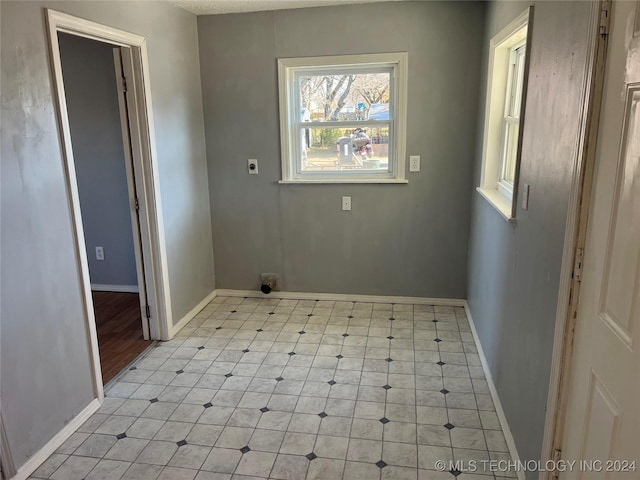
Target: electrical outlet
414 163
346 203
99 253
252 164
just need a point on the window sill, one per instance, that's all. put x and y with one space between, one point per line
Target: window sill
344 180
499 202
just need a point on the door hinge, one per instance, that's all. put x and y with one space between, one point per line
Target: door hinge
136 204
605 17
147 311
557 456
124 84
577 266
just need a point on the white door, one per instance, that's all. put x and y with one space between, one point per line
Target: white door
128 120
602 419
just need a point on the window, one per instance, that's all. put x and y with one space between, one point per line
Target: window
342 119
503 116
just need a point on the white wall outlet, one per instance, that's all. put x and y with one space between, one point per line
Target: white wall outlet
346 203
414 163
525 196
252 164
99 253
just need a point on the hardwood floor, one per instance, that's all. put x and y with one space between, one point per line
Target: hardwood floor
119 330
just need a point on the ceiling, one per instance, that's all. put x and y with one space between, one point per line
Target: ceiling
210 7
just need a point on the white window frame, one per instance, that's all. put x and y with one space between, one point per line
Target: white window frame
502 92
288 71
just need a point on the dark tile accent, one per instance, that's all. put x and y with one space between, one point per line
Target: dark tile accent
381 464
229 375
201 348
181 443
208 405
388 359
437 340
264 409
302 332
120 436
179 371
246 350
245 449
279 379
272 313
218 328
331 382
392 318
350 316
387 387
444 390
455 472
233 311
441 363
384 420
291 354
310 315
153 400
449 426
345 334
390 337
339 357
133 368
322 415
259 330
311 456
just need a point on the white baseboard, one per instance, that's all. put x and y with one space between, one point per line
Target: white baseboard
52 445
99 287
511 444
341 297
173 329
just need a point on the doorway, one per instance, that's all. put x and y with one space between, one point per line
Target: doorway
125 60
97 110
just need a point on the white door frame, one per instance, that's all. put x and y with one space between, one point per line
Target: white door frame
7 468
143 145
575 233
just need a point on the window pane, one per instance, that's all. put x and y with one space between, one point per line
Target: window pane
516 80
345 149
345 97
510 152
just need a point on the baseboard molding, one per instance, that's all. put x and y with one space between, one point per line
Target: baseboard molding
52 445
341 297
511 444
99 287
173 329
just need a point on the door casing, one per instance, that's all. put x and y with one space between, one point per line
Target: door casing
575 233
147 176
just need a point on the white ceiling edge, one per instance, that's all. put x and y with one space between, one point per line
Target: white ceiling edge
213 7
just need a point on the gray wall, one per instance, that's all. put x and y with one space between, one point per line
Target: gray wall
98 154
514 269
46 378
398 239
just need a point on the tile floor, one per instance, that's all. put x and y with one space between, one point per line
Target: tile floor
295 389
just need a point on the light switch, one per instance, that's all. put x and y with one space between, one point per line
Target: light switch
252 164
346 203
525 197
